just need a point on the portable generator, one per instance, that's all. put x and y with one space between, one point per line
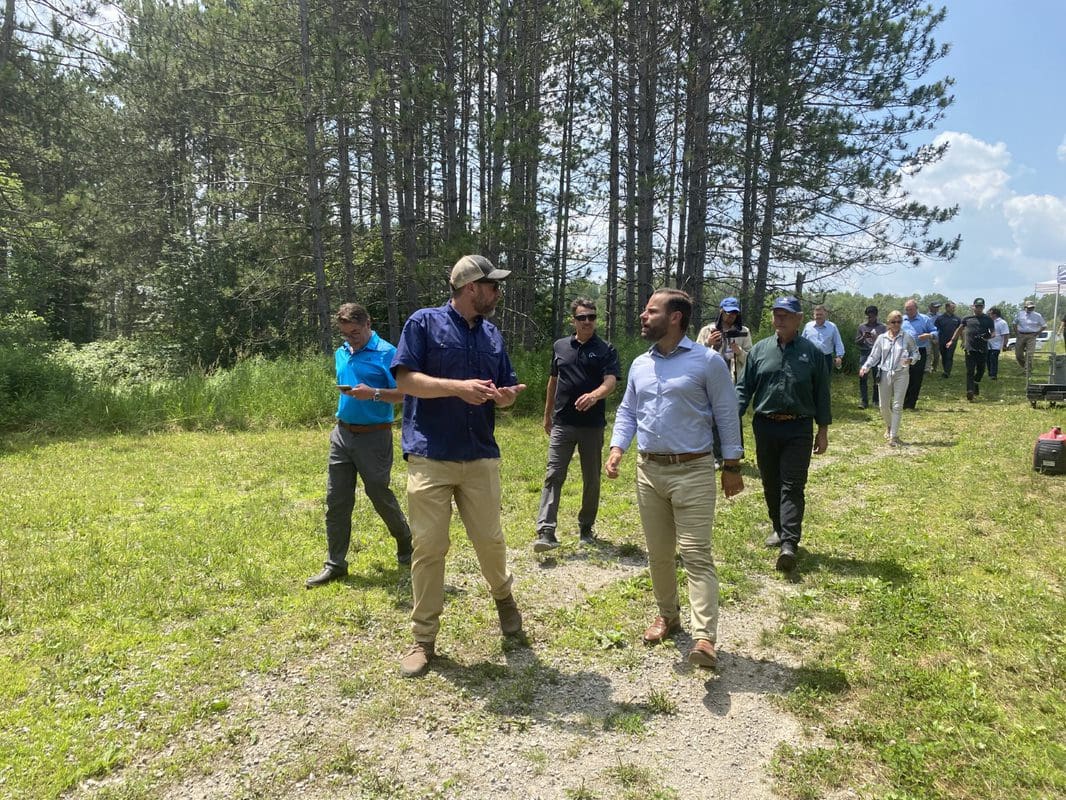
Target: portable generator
1049 455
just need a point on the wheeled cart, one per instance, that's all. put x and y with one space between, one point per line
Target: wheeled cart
1054 367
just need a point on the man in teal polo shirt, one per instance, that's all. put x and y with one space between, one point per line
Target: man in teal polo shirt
361 442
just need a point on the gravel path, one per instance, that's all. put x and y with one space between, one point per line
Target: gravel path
677 731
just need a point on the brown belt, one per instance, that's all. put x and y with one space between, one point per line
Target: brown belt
673 458
781 417
383 426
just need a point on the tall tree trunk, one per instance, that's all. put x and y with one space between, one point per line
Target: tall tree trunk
380 175
501 122
696 155
406 143
646 113
7 33
614 189
562 212
314 182
632 311
344 181
782 105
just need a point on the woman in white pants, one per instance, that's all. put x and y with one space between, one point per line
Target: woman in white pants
894 351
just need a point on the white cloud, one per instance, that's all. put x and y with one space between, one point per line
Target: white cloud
1038 225
971 173
1060 151
1010 240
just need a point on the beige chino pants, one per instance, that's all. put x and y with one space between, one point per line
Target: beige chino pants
431 486
676 503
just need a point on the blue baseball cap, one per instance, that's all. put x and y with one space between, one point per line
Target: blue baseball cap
788 304
730 304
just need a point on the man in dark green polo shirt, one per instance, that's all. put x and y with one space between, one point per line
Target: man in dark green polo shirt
786 382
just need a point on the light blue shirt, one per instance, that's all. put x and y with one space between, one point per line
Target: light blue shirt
671 403
917 326
826 336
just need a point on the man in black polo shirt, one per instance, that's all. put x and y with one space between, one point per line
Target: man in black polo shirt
975 332
584 371
946 324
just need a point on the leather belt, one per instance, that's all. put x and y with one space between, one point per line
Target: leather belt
673 458
781 417
383 426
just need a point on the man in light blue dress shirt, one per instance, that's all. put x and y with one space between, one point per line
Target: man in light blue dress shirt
827 336
675 393
920 327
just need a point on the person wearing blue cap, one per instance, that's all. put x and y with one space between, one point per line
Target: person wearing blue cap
728 336
786 382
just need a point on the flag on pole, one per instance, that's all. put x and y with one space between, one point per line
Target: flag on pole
1062 273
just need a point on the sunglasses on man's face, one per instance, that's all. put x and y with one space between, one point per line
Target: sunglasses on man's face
585 317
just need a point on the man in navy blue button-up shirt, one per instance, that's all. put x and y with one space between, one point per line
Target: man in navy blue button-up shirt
452 365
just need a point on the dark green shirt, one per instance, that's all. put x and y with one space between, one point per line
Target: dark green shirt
793 379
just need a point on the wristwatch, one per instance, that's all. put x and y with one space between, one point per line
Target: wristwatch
377 395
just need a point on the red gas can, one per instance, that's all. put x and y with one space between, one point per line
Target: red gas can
1049 455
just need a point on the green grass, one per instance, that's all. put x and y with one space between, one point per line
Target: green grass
146 579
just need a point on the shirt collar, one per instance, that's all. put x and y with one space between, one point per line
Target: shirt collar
371 344
459 319
684 344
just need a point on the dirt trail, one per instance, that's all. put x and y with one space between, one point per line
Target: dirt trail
294 735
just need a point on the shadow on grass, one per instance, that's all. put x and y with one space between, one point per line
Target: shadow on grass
394 581
626 554
746 675
526 687
883 569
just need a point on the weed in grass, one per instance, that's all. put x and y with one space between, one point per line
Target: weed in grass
581 792
625 719
630 550
810 774
356 686
538 758
630 775
660 702
611 639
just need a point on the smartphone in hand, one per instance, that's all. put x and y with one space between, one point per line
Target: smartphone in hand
343 387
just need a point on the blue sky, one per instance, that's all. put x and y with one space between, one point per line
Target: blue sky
1006 165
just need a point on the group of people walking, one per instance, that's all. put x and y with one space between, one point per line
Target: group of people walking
682 405
912 344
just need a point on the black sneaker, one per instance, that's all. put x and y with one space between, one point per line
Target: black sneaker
587 536
786 559
545 541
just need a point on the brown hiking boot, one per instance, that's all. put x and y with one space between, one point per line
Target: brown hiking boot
510 618
416 660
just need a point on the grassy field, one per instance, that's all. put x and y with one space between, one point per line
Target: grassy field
145 579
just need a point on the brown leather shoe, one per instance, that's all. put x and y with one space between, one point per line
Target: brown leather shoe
702 654
510 618
660 629
415 661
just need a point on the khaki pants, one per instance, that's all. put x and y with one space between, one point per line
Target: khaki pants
676 504
431 486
